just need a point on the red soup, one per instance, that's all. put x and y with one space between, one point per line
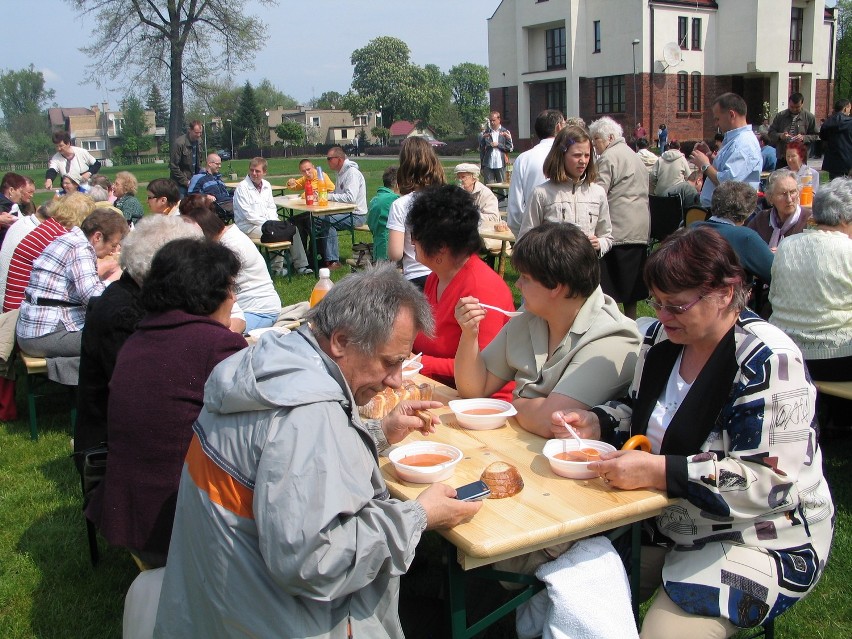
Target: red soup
582 455
482 411
425 459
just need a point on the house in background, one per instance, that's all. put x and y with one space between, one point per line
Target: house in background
658 61
97 129
325 126
402 129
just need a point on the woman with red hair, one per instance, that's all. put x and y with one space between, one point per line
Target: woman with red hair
797 162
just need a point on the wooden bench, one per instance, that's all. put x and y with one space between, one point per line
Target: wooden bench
36 379
837 389
271 250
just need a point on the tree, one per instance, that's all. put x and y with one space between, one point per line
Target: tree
380 133
158 106
249 119
23 92
328 100
469 84
134 132
8 147
154 37
383 78
268 97
430 95
843 70
290 133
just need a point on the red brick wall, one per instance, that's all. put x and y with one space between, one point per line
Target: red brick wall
824 102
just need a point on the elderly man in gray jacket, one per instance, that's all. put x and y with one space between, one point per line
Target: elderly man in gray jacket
284 525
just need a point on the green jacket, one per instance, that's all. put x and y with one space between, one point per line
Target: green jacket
377 220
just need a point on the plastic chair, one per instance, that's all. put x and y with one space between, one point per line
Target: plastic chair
666 217
695 214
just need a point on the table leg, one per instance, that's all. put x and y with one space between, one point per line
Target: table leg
313 235
502 268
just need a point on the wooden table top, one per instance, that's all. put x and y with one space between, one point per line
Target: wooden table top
491 234
274 187
549 510
298 204
498 185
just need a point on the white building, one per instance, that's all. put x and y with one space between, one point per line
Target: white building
584 57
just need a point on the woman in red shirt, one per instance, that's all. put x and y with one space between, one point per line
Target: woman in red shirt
445 233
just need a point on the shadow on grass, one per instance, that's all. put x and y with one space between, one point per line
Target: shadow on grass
71 598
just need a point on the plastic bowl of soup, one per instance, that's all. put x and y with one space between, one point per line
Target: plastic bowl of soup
568 459
425 462
482 414
412 369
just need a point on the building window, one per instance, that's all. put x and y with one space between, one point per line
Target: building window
315 121
695 102
361 120
795 84
505 107
555 48
682 90
696 34
610 96
797 24
344 134
682 32
94 145
597 24
556 95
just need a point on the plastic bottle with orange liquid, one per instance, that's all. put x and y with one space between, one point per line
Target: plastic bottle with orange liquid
322 190
322 287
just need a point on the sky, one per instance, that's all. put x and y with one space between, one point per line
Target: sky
307 50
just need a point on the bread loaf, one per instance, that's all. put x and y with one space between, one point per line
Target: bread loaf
503 479
380 405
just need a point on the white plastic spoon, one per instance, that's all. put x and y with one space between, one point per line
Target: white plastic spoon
500 310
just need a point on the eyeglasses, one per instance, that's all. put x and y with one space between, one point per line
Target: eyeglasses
672 309
329 158
789 194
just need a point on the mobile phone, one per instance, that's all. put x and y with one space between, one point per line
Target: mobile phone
475 491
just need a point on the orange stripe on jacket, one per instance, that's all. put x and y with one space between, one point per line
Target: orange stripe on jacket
219 485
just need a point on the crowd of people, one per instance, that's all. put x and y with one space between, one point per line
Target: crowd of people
247 474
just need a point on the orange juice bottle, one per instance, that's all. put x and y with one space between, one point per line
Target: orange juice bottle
322 287
322 191
806 197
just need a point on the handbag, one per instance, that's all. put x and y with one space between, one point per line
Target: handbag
94 470
277 231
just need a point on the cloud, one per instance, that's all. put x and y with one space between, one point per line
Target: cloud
50 75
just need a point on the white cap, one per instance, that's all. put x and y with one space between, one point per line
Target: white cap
324 272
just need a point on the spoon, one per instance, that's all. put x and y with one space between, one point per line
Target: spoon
580 444
408 362
500 310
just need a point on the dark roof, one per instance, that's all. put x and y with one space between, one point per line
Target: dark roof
57 115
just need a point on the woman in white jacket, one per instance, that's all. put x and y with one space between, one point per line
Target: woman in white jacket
570 195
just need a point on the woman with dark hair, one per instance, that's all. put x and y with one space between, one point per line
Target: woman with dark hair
419 168
69 186
157 390
570 195
444 222
256 295
572 347
727 405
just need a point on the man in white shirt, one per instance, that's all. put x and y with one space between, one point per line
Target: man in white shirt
253 205
495 144
352 189
528 172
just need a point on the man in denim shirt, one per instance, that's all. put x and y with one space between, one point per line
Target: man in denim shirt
739 158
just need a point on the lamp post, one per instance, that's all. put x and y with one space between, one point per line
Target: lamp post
204 128
231 129
634 43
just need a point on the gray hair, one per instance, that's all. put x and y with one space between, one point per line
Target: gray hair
575 120
734 201
364 305
833 203
606 128
775 177
99 194
148 236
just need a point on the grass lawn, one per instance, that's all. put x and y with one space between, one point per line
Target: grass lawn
48 588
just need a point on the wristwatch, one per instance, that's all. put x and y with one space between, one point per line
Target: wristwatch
704 167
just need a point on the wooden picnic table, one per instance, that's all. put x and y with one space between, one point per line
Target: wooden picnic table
274 187
505 237
297 204
549 510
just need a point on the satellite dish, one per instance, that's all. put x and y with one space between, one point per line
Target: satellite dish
672 55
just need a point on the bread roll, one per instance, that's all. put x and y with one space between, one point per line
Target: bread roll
503 479
380 405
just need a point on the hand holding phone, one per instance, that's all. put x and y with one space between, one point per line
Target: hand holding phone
475 491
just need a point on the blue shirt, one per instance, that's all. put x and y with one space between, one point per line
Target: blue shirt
770 158
739 159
